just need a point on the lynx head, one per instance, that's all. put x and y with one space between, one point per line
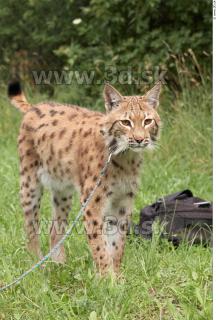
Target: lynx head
132 122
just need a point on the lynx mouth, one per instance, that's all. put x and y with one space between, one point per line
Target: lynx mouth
138 146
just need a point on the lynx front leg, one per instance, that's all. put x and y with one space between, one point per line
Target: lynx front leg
94 225
61 208
117 223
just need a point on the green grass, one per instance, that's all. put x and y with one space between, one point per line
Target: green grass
158 281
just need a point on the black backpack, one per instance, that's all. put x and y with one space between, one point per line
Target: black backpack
183 216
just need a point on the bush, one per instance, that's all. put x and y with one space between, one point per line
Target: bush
91 35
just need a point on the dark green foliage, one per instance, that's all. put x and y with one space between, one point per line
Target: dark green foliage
106 37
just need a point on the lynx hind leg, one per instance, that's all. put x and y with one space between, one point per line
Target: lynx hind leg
61 201
30 194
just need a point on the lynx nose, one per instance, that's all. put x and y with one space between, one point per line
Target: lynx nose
139 140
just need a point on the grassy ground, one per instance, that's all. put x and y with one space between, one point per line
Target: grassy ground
158 282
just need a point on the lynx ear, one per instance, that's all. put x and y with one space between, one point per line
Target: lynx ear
112 97
152 96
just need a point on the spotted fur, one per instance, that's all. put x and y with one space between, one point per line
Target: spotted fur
64 147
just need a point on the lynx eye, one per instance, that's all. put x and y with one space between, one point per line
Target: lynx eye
148 121
126 123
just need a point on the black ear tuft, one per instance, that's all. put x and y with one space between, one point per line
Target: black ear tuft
14 89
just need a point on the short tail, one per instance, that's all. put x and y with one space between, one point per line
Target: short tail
17 97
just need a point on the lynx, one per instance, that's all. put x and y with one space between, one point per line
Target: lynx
64 147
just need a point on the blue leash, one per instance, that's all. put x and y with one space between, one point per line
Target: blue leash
66 235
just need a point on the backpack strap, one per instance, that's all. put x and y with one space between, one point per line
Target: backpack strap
181 195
